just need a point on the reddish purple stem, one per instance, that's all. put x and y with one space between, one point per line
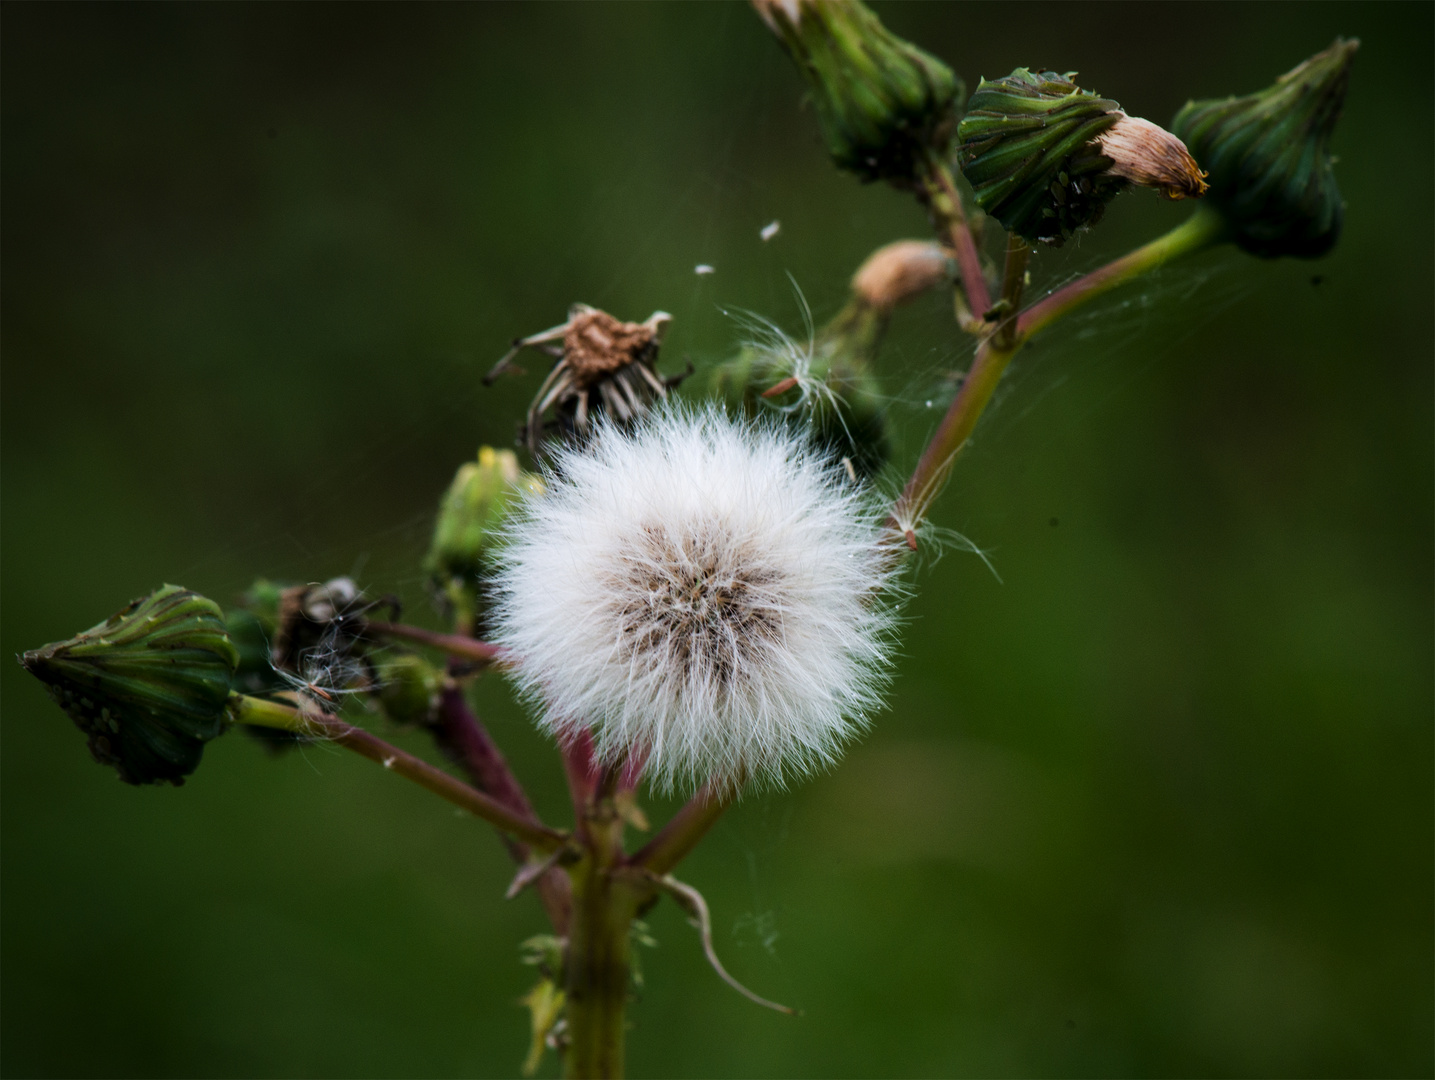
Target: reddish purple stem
463 736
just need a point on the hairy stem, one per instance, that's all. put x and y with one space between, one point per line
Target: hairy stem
271 714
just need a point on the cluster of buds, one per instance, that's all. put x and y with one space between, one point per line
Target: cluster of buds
153 683
885 107
1044 156
311 644
1269 160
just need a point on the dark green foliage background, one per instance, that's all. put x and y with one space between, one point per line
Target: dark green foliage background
1160 804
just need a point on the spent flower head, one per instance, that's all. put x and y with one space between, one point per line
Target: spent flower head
708 592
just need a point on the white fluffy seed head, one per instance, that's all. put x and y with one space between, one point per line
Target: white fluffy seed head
709 593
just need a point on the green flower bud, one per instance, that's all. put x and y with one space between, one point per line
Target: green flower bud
1268 157
1028 146
148 686
408 688
828 386
885 107
263 601
250 636
1044 156
471 509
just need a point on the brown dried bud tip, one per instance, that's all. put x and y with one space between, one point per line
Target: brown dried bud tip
1149 155
597 344
601 363
899 272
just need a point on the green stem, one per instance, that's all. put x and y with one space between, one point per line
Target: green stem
946 203
599 934
1018 255
683 831
271 714
1202 229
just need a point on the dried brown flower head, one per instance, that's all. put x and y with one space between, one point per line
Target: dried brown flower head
603 364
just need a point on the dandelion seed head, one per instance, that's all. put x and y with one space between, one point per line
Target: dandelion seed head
707 591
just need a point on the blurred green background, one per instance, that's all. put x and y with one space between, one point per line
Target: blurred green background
1159 803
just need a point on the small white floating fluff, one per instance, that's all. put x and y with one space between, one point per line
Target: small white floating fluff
709 593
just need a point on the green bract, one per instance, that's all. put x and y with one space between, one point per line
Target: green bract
1028 146
1268 160
885 106
148 685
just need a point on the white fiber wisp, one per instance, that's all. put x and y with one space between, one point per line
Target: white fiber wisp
709 593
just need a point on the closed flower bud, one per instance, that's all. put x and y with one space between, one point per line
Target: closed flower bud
1268 157
408 688
899 272
148 686
1044 156
471 509
885 107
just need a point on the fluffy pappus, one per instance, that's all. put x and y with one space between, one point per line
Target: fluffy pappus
710 592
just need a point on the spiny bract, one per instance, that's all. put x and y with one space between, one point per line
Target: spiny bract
710 593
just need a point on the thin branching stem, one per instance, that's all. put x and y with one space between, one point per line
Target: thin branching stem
681 834
1201 230
272 714
946 203
480 652
463 736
